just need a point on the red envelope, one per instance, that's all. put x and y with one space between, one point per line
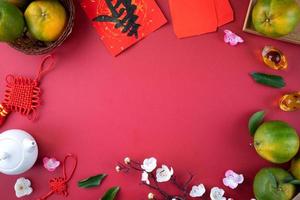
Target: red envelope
122 23
224 12
195 17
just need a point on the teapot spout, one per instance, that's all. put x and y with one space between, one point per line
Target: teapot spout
29 145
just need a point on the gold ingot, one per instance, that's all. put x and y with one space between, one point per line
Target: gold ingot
290 102
274 58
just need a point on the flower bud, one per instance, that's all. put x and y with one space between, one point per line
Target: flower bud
150 196
127 160
118 168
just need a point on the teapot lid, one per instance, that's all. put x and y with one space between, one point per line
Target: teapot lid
11 154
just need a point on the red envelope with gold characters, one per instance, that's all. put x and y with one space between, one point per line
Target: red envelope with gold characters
121 23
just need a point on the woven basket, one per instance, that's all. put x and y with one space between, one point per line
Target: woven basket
30 46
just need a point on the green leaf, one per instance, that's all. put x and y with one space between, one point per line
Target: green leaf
295 182
111 193
268 79
92 181
288 179
291 180
255 121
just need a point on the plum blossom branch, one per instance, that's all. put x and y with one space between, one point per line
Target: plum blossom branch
152 178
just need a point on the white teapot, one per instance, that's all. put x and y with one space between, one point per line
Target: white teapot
18 152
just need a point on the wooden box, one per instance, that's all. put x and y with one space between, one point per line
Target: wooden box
297 197
293 37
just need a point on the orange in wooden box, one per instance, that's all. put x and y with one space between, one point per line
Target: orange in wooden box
248 27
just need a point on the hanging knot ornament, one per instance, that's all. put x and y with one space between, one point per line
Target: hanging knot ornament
59 185
22 94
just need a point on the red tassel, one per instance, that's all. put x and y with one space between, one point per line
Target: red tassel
3 114
59 185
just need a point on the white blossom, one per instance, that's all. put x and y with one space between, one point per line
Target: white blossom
22 187
149 164
197 190
145 178
217 194
164 174
232 179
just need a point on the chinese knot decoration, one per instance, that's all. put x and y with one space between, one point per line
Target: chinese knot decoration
22 94
59 185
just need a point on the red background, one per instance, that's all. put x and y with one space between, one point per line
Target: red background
186 102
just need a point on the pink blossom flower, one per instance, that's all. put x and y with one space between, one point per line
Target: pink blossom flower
51 164
232 38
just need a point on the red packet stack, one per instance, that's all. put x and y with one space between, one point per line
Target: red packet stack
121 23
195 17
